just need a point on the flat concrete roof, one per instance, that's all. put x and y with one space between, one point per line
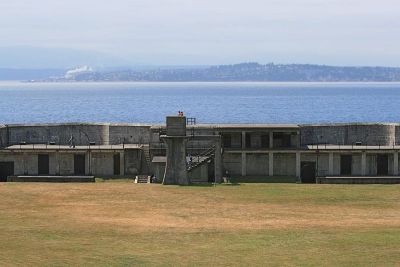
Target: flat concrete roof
203 125
235 126
75 124
350 147
65 147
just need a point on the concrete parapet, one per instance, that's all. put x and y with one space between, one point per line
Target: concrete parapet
349 134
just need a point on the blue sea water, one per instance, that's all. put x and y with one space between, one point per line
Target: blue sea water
208 102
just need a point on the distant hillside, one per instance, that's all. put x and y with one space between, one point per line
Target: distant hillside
251 72
29 74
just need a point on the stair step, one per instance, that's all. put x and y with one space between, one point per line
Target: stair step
142 179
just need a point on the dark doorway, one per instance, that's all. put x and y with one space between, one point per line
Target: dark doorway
6 169
227 140
79 164
43 165
282 140
345 164
265 141
211 172
382 165
308 172
117 160
248 140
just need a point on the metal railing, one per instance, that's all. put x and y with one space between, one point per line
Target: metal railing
351 146
202 157
190 121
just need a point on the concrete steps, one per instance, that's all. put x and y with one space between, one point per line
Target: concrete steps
142 179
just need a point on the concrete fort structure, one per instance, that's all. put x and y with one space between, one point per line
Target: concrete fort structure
182 152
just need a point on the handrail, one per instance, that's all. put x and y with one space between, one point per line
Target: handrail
206 155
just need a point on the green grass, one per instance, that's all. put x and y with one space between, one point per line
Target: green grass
126 224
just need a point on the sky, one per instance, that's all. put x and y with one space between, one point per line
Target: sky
205 32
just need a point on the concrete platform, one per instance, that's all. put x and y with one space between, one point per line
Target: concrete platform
52 179
359 180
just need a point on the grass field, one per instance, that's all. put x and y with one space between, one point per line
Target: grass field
126 224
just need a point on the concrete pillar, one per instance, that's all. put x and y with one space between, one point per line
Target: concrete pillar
396 163
218 162
244 167
243 140
298 165
271 139
363 163
57 163
88 163
330 164
176 169
24 164
270 164
122 163
298 139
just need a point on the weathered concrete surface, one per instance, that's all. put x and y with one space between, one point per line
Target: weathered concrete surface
129 134
233 163
284 164
176 169
254 159
358 180
348 134
176 126
52 179
257 164
176 140
199 174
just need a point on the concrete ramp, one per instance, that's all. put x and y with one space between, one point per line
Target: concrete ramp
52 179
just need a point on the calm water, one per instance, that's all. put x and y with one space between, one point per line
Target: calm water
208 102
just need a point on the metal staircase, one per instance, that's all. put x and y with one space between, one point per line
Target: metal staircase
202 158
147 156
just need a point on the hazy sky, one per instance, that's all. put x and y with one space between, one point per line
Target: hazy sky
339 32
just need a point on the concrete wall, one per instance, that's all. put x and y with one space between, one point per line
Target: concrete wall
371 168
59 133
397 136
344 134
102 164
348 134
134 161
233 163
199 174
129 134
284 164
257 164
82 133
3 136
66 161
